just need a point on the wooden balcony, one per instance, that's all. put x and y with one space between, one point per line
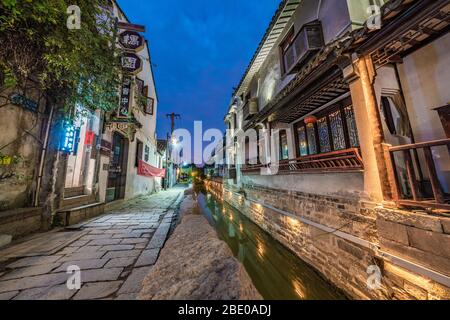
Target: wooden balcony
417 191
337 161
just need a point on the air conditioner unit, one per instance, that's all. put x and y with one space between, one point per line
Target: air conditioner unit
253 107
250 108
306 43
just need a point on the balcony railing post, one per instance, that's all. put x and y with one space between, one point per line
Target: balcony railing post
411 175
435 184
392 174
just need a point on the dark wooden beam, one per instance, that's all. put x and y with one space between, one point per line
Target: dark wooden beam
131 27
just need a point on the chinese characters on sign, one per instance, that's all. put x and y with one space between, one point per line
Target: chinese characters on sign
125 96
131 40
131 63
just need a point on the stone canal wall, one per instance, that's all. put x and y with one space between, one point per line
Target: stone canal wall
343 239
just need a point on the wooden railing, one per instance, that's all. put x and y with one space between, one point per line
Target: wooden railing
337 161
418 196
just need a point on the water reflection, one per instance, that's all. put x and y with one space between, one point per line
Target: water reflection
275 271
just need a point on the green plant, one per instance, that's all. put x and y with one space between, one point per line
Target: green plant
69 67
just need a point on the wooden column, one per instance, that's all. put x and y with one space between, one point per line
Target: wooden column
368 121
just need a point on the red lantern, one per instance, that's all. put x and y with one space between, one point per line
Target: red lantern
310 119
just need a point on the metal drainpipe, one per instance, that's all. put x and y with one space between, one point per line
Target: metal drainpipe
43 155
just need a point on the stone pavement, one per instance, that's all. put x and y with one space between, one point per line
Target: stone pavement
114 253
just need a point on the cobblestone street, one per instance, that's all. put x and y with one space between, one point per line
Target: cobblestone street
114 252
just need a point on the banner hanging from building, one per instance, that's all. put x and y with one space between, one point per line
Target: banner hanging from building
147 170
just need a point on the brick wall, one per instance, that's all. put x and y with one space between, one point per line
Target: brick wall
343 262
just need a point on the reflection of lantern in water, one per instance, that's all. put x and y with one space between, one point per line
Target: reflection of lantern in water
299 289
241 227
260 249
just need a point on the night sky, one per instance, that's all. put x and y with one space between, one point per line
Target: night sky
200 50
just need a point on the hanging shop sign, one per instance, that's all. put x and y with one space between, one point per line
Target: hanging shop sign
131 40
22 101
105 148
89 139
131 63
125 99
69 138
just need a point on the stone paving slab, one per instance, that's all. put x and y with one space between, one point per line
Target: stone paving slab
148 258
33 261
83 264
31 271
98 290
134 281
47 293
103 274
112 252
45 280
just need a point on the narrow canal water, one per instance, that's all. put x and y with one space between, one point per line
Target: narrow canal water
276 272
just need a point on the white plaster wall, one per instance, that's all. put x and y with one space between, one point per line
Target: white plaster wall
425 80
136 184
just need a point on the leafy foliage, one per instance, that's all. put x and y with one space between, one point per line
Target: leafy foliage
70 67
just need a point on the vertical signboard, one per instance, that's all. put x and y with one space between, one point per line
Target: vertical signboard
125 97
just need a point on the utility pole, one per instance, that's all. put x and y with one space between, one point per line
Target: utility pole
172 116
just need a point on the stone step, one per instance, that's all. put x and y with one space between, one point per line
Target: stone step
71 216
73 192
77 201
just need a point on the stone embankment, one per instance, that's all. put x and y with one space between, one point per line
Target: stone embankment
196 264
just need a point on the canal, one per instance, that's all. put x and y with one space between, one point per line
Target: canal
276 272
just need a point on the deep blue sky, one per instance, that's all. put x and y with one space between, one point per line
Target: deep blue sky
200 50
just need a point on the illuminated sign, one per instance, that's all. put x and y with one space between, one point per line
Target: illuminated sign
69 138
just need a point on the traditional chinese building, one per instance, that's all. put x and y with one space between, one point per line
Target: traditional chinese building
351 170
65 176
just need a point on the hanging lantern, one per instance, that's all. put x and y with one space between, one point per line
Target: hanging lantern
310 119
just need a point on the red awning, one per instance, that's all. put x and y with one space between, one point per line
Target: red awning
147 170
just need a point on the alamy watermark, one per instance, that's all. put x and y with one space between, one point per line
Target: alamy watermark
374 279
74 19
74 280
